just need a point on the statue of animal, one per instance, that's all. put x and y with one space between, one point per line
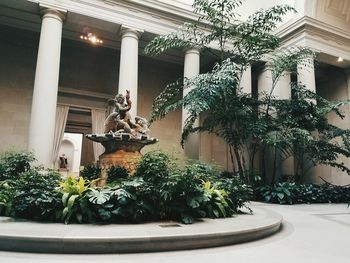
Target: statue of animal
141 125
113 123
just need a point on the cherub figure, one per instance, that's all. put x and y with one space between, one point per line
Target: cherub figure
120 119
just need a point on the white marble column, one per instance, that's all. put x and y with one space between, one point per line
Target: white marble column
246 80
306 76
128 68
191 69
264 81
282 89
43 112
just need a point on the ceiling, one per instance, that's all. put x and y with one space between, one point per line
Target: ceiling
25 15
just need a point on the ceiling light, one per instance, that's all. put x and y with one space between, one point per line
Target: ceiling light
340 59
92 38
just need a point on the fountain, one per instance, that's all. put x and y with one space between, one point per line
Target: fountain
122 138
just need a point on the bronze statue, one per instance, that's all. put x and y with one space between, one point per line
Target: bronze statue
122 138
119 121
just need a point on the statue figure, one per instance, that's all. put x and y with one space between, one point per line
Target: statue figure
63 161
141 125
123 108
119 121
122 139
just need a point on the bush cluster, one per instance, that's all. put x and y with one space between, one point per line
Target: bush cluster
292 193
158 190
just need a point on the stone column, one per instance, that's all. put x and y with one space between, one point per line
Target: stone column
128 68
43 112
282 91
282 88
306 76
265 81
246 80
191 69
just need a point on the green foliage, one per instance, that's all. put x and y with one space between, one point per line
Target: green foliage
91 172
74 200
158 190
216 97
36 195
13 163
305 132
7 192
292 193
125 203
116 173
251 126
218 204
239 193
153 167
182 195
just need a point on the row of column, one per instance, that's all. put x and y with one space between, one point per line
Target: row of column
42 123
43 113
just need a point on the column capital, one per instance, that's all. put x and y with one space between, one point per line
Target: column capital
192 50
56 13
126 31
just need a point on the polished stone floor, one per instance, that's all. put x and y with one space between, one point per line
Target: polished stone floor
310 234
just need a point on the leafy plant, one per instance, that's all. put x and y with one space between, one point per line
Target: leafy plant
239 193
74 200
252 126
13 163
36 195
159 190
116 173
216 96
91 172
292 193
7 192
153 167
218 204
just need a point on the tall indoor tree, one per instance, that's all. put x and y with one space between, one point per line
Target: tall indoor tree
248 124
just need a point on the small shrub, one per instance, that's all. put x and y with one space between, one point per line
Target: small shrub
91 172
116 173
37 196
74 200
292 193
158 190
153 167
280 193
7 192
218 204
239 192
121 204
13 163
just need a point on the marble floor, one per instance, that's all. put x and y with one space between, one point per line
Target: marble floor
310 234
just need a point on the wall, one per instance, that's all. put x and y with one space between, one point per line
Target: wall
332 84
85 69
18 50
153 78
88 67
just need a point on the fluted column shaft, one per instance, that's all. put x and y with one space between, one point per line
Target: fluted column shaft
246 80
43 111
128 69
191 70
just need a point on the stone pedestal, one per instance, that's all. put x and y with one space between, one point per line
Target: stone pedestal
127 160
120 150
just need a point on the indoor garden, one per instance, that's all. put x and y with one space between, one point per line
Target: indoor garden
261 130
